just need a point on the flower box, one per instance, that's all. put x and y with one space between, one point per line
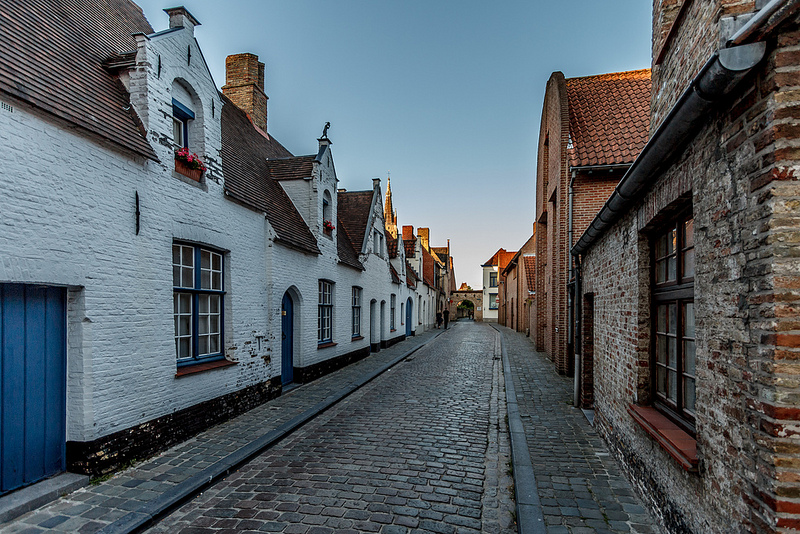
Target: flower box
181 167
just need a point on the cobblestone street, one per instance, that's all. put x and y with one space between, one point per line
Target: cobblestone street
418 449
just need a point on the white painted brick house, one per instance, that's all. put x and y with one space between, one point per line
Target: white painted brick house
153 294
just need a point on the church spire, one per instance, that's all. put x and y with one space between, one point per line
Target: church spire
389 214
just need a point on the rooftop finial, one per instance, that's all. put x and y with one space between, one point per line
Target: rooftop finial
325 130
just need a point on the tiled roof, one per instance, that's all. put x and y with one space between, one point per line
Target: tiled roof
393 272
293 168
500 258
411 276
440 253
354 209
510 265
609 117
347 253
53 55
244 164
530 272
391 245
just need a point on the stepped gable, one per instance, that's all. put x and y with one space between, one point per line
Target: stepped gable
54 57
245 155
609 117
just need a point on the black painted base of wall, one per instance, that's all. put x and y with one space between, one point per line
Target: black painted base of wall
398 339
303 375
112 452
374 347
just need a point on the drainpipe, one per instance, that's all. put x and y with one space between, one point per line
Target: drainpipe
573 295
576 329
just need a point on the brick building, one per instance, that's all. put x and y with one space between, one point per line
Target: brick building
491 284
591 130
689 280
515 292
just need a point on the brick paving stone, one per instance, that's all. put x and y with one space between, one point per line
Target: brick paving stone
581 487
424 447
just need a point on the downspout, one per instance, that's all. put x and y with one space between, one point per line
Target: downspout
576 329
715 81
572 296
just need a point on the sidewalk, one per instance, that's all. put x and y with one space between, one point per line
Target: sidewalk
131 498
580 486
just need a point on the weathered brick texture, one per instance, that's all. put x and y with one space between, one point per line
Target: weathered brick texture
740 175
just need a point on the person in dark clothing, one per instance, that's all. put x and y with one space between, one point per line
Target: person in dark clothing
438 319
446 318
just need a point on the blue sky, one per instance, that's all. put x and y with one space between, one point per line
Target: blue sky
446 95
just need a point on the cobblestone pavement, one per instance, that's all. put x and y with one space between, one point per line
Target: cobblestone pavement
581 487
423 448
90 509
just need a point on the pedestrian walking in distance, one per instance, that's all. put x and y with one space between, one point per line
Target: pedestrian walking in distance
438 319
446 318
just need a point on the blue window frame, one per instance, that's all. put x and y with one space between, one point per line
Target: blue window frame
181 115
198 303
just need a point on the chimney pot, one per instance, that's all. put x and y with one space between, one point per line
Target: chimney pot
179 17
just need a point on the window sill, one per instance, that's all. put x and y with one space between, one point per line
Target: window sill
393 330
326 345
200 367
357 338
680 445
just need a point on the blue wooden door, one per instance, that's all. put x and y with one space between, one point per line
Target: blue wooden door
287 340
33 380
408 317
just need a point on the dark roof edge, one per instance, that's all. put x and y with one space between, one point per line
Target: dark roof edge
717 78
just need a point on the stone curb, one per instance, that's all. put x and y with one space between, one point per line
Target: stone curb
22 501
530 518
146 515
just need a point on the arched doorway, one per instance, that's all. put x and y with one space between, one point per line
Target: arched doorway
465 308
409 315
287 339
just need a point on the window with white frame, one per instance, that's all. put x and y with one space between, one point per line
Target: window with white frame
181 115
392 306
198 295
356 311
325 312
492 279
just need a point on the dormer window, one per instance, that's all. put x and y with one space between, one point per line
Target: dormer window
181 115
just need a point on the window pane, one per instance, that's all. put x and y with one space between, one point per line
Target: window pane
671 269
202 325
661 318
177 131
688 233
661 246
672 377
214 343
185 325
673 319
216 281
688 395
187 254
214 301
661 349
187 277
203 345
672 353
176 254
688 263
176 276
205 279
205 259
689 357
213 326
203 304
186 303
216 262
688 319
672 238
184 347
661 380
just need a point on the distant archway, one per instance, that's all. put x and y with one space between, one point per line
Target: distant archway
473 297
465 308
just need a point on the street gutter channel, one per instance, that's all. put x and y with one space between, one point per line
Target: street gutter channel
530 518
155 510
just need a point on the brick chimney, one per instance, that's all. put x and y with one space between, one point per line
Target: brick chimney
424 234
179 17
244 85
408 234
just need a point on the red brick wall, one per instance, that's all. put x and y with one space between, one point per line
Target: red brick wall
740 173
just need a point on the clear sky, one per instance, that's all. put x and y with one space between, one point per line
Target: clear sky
445 95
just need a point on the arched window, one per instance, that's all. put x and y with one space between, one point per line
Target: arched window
187 118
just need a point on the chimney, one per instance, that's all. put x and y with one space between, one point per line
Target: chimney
424 234
244 85
408 234
179 17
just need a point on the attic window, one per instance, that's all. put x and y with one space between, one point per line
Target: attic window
181 115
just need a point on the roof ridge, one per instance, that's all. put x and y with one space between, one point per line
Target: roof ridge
623 74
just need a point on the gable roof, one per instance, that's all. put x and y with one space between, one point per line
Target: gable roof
530 272
292 168
609 117
244 164
391 245
440 253
54 51
354 209
347 252
411 276
500 258
427 268
395 276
